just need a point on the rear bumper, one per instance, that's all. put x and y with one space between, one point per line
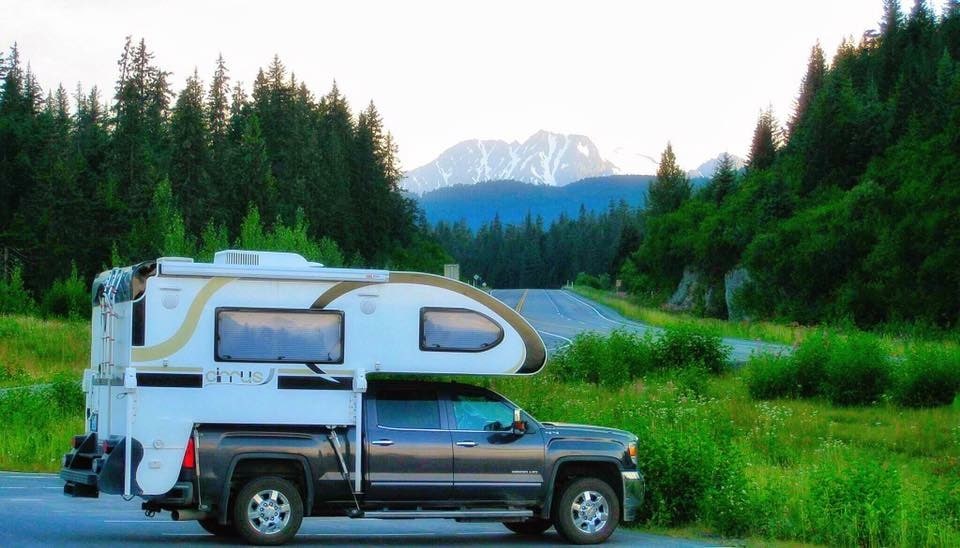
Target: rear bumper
633 488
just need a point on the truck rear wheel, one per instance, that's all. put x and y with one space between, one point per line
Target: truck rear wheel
587 512
268 511
532 526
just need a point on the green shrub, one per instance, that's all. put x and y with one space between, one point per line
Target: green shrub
68 298
857 372
582 359
683 347
14 298
855 503
927 377
810 360
589 280
770 376
635 353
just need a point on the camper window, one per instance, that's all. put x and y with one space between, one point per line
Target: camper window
457 330
271 335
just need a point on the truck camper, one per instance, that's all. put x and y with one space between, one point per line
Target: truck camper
235 393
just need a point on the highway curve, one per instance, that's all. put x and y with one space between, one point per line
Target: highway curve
559 315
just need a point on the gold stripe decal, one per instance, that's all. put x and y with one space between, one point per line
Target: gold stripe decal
536 352
335 292
189 325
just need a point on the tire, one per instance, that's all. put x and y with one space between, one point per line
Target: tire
268 511
587 512
531 526
217 529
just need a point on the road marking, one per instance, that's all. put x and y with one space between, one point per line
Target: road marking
549 334
591 307
522 301
554 303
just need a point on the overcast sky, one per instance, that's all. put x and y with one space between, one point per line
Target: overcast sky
627 74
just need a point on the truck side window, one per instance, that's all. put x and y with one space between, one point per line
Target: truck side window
408 409
457 330
481 412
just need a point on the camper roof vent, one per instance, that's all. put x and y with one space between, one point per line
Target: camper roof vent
259 258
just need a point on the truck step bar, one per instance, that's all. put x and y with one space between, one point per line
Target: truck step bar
478 514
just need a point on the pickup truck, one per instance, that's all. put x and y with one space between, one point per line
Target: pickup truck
430 449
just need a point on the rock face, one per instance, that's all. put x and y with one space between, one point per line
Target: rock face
684 299
733 282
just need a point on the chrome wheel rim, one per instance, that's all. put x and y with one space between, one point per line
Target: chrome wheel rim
268 511
590 512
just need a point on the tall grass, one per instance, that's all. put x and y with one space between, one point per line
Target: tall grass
35 350
38 424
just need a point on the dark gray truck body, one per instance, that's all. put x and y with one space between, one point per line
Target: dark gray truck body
431 449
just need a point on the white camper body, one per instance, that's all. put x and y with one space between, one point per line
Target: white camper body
269 338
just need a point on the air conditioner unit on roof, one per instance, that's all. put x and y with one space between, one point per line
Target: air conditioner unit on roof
259 258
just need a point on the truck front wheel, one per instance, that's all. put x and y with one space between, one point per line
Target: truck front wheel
268 511
587 512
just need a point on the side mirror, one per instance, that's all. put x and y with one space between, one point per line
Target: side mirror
519 427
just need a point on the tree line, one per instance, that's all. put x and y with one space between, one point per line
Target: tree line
94 181
849 213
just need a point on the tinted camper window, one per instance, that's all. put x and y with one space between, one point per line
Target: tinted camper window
302 336
457 330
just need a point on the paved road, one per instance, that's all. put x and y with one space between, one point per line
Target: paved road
38 514
559 315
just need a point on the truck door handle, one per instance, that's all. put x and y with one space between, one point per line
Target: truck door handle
467 443
382 442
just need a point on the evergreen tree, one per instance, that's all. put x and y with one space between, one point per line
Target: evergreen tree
671 187
765 142
723 181
190 155
811 84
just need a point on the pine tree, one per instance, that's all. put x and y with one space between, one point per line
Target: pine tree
765 143
671 187
723 182
190 155
811 84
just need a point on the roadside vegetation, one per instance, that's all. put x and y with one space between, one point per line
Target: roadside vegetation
782 449
803 455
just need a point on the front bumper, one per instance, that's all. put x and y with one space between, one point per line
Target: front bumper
633 488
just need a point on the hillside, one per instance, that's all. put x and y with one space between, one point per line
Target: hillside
512 200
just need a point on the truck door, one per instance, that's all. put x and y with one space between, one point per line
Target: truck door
409 453
490 463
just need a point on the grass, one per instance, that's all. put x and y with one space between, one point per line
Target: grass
763 331
36 350
39 422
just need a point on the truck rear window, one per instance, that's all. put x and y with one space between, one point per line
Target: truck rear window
457 330
270 335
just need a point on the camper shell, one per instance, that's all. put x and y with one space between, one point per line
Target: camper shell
198 369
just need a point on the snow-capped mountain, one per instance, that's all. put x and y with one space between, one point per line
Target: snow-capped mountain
545 158
708 168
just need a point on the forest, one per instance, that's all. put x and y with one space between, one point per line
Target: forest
88 181
850 213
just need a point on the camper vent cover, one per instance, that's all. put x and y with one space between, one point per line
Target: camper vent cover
259 258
